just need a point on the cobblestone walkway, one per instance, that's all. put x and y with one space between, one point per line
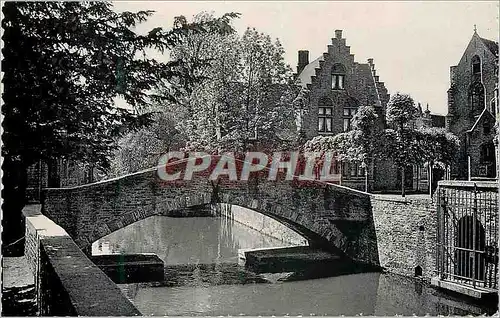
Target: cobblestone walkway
18 289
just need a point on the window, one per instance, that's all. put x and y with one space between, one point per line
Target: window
352 169
487 153
476 65
493 104
476 96
325 119
338 81
486 128
348 114
325 115
338 76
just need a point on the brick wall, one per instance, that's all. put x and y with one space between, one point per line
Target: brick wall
362 87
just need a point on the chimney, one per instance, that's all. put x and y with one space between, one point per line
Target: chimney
338 34
303 60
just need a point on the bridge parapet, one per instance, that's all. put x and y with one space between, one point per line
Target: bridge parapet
328 215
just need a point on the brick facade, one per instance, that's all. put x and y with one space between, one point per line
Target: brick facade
472 105
360 85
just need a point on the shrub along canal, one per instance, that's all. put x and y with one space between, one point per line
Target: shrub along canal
202 277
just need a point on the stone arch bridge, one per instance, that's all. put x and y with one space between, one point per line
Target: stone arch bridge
330 216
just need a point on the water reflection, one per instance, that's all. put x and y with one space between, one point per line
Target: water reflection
202 277
367 294
185 240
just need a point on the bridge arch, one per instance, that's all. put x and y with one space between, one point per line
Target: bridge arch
324 214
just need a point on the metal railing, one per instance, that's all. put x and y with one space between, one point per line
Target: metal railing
467 233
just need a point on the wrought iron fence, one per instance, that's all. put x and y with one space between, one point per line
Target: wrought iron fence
467 233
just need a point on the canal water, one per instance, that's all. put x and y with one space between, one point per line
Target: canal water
202 277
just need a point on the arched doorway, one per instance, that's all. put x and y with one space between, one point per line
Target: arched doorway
469 255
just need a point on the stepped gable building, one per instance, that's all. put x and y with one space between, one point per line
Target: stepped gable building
335 86
472 108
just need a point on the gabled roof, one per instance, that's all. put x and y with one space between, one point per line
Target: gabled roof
304 77
491 45
485 112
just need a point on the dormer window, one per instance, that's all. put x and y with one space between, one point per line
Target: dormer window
338 76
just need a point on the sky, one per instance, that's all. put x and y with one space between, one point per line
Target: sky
413 43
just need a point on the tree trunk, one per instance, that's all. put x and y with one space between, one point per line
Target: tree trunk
366 178
430 179
418 177
403 190
340 179
15 181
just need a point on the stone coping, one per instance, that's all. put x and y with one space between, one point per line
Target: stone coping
408 199
154 169
469 184
462 289
89 290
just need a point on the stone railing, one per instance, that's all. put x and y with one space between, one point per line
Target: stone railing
67 283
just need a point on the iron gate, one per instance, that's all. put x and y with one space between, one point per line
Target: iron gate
467 233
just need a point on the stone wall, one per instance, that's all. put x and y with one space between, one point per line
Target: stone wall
263 224
461 117
406 233
67 283
395 233
317 211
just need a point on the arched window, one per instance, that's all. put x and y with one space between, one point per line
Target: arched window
476 65
325 115
476 97
338 76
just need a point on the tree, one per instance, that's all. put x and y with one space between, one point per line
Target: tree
64 65
398 141
268 90
244 96
338 146
364 138
438 147
141 149
407 146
